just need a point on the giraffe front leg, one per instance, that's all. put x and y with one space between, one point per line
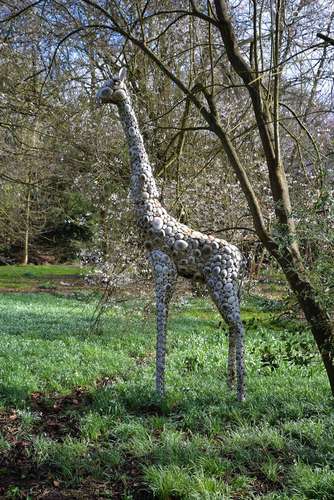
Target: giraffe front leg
236 346
165 275
231 360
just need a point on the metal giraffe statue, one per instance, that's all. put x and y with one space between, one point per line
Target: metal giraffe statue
175 249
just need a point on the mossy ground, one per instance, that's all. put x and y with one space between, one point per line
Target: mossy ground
79 416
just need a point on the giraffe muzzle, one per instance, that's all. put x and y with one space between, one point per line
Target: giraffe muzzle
104 95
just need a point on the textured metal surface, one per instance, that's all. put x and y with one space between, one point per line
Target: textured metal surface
175 249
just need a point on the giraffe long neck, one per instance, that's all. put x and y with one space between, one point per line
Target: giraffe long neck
143 186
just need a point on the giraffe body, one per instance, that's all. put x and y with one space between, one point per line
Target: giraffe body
175 249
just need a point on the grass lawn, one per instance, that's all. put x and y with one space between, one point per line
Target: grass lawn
31 277
79 417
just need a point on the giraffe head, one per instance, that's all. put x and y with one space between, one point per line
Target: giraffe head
113 91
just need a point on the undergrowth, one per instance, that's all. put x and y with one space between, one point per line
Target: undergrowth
80 417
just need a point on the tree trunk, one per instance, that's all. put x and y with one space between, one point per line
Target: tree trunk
25 257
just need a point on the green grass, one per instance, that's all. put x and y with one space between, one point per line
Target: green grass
42 276
199 443
32 271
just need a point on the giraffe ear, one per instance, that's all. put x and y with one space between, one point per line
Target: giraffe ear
122 74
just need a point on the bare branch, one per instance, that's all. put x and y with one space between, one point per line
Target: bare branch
225 229
21 11
212 118
277 177
326 38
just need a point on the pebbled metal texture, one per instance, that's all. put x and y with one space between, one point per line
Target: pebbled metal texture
175 249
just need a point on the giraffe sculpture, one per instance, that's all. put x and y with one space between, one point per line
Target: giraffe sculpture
175 249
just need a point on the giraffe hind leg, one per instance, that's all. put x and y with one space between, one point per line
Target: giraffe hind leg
226 299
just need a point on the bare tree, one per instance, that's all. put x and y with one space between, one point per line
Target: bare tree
283 245
236 58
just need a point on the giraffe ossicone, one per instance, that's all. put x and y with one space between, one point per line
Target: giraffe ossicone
175 249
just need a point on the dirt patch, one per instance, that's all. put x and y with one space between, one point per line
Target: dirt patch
17 471
59 414
58 417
